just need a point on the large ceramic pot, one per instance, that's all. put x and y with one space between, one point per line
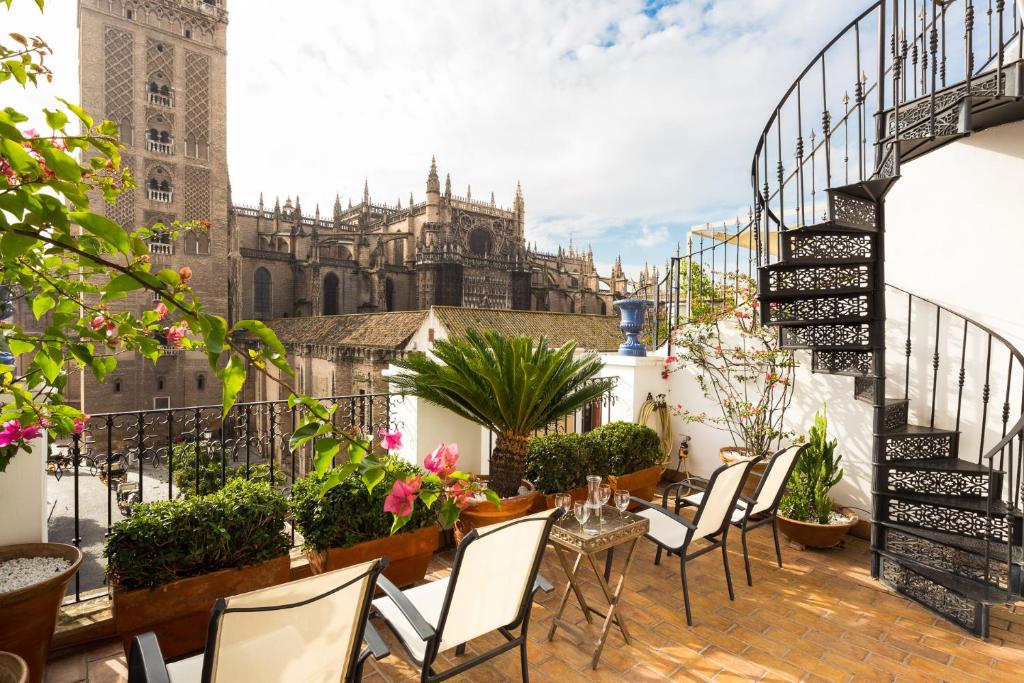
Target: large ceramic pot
813 535
179 611
408 555
633 313
13 668
641 483
730 454
481 513
548 501
28 615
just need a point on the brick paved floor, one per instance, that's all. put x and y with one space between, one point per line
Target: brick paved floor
820 618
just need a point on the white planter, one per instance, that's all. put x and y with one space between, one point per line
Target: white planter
23 496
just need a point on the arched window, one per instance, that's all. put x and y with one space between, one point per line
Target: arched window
159 383
117 386
330 294
200 382
604 306
389 295
261 294
480 243
197 243
399 252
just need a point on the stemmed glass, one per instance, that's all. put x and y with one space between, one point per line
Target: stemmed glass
603 495
581 512
563 501
621 500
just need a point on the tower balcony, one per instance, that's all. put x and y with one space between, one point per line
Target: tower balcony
162 196
160 147
162 248
161 99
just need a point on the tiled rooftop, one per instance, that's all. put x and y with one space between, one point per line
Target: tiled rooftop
820 618
591 332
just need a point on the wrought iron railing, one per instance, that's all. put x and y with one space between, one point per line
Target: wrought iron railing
880 78
961 375
124 458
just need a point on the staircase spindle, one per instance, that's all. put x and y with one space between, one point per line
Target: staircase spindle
896 73
826 120
903 52
1006 408
924 47
914 56
800 188
985 391
1000 8
858 98
908 346
961 377
779 170
969 43
933 46
942 53
935 364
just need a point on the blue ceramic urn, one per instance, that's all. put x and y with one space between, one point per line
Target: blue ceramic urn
632 312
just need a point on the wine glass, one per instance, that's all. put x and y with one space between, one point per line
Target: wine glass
604 493
563 501
581 512
621 500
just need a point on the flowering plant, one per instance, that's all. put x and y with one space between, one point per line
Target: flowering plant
445 489
741 368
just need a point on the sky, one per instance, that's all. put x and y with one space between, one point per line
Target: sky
626 121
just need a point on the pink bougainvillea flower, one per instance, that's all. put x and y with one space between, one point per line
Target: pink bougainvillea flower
98 322
443 460
403 493
79 424
31 133
10 432
390 441
669 360
161 310
31 432
460 493
175 334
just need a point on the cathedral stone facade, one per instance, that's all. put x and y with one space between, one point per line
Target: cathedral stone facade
158 69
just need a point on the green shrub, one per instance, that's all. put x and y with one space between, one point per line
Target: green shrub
349 514
817 471
209 469
559 462
239 525
626 447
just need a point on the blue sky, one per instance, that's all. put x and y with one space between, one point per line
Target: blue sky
627 121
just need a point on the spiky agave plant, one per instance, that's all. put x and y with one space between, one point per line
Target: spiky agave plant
509 385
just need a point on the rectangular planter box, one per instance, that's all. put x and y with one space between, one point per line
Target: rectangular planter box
179 611
408 555
641 483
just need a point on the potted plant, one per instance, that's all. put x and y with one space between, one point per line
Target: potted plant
511 386
807 514
741 368
347 524
199 470
171 560
560 463
634 456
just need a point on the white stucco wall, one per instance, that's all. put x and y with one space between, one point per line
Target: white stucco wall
23 497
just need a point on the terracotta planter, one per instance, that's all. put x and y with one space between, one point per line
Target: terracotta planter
28 615
483 513
179 611
408 555
13 668
730 454
640 483
548 501
813 535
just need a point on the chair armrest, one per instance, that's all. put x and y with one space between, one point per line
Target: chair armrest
542 584
424 630
749 501
671 515
377 647
146 661
679 484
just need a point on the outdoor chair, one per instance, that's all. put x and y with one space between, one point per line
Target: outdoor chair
310 630
750 513
710 523
491 587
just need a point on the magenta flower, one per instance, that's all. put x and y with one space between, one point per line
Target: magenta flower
443 460
390 441
161 310
175 334
669 360
402 495
79 424
98 322
31 432
10 432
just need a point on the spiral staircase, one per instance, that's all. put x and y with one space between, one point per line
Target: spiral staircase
946 528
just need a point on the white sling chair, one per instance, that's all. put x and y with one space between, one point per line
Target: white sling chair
710 522
310 630
750 513
491 587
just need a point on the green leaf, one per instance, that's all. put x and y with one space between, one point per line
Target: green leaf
21 161
214 329
102 366
357 449
448 514
493 497
324 451
232 378
78 111
13 245
169 276
42 303
117 287
372 477
62 164
397 525
56 119
47 365
105 229
303 434
429 496
19 346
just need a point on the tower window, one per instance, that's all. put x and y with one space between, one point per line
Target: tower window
200 382
129 14
188 33
117 386
159 383
261 302
330 294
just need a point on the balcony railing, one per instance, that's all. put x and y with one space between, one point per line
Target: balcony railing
161 99
163 196
160 147
162 248
123 458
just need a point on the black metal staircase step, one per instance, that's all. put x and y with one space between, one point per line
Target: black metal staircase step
969 588
847 335
920 587
871 190
842 362
826 243
799 294
944 476
914 444
999 508
940 465
840 261
969 544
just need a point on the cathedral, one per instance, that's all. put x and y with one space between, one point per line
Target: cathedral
157 68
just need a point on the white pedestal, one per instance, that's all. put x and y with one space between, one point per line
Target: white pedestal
23 496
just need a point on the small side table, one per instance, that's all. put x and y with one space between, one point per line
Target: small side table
569 538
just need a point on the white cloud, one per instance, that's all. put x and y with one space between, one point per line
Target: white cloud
609 117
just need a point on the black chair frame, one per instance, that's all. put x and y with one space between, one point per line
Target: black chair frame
714 540
146 662
432 636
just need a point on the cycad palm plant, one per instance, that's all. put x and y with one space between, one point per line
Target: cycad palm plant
509 385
